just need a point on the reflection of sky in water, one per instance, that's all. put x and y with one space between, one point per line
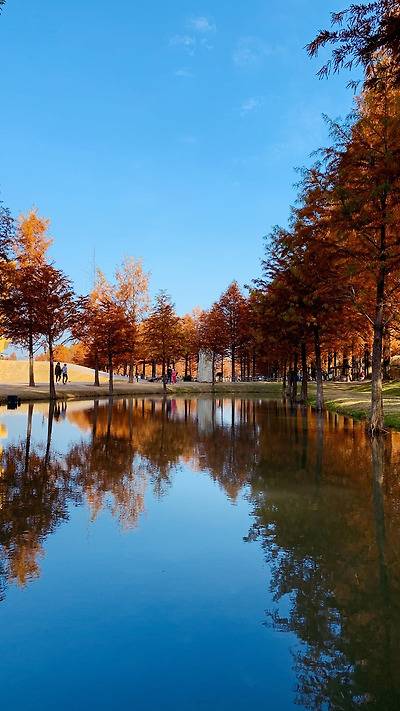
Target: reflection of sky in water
179 599
151 559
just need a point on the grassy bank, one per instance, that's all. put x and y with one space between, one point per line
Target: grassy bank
353 400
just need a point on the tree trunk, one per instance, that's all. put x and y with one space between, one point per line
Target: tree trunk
186 365
95 419
96 370
304 374
213 368
366 361
288 391
28 438
284 380
130 376
345 365
49 433
52 387
109 417
110 376
329 362
233 364
386 354
31 370
318 371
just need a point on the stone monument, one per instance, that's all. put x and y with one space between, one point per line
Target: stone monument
204 370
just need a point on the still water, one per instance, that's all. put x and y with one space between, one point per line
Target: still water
197 554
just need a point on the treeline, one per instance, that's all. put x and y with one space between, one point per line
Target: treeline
331 278
115 327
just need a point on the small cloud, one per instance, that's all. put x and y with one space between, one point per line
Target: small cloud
183 72
199 31
202 25
250 52
249 105
186 41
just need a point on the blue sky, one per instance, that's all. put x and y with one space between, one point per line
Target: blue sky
167 131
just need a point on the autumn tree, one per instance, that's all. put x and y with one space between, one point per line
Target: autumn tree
189 325
213 334
358 35
56 309
132 293
30 243
364 169
88 329
162 332
231 305
7 233
105 328
112 334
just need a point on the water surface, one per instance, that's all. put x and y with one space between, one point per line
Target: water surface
197 554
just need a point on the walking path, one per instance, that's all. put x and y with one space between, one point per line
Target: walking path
87 390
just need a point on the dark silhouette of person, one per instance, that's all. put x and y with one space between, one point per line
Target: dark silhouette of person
57 372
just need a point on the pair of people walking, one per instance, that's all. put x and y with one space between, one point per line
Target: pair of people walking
61 372
171 375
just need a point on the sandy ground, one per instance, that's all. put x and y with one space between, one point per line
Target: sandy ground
14 379
17 371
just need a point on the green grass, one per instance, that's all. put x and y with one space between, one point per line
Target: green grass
353 400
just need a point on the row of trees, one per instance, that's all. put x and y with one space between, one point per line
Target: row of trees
331 278
115 326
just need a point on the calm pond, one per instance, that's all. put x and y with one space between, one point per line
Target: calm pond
197 554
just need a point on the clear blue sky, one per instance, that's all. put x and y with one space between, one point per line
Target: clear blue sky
165 130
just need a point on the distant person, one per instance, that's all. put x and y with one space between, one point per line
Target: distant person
173 376
57 372
64 374
169 375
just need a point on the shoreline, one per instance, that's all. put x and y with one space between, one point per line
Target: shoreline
349 399
88 391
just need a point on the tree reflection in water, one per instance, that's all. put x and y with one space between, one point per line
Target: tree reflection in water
334 565
325 503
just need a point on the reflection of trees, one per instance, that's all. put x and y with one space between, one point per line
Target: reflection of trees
327 548
130 442
164 433
34 490
326 510
105 468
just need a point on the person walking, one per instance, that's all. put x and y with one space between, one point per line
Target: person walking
64 374
173 376
57 372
